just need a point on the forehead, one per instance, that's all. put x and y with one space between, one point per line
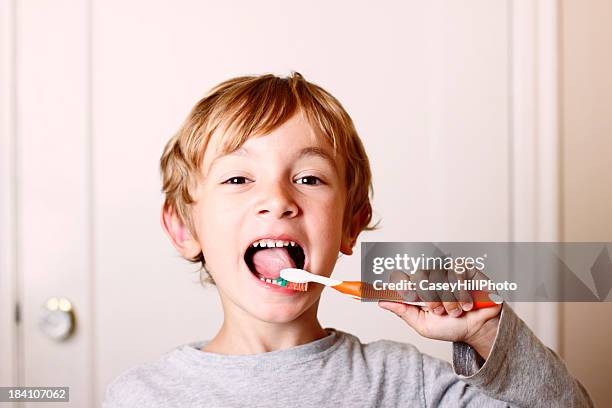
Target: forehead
295 134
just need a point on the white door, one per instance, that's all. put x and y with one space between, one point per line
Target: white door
102 85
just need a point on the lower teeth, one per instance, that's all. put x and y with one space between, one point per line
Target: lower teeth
278 281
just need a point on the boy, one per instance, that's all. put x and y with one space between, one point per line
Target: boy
268 173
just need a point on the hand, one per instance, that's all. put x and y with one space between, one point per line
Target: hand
445 317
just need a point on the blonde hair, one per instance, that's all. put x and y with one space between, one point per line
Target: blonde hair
250 105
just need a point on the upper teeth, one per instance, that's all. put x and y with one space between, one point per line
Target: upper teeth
271 243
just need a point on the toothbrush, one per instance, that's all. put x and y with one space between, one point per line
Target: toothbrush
362 290
298 286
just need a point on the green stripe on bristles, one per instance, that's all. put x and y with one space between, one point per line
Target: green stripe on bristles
281 281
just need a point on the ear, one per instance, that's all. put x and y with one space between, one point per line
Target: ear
357 222
179 234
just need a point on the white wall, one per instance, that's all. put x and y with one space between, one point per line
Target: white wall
586 35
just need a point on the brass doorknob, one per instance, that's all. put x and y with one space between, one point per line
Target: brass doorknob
57 320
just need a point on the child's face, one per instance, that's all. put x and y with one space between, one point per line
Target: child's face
285 186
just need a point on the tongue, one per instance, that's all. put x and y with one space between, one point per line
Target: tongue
269 262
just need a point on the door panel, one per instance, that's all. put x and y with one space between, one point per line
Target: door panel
53 194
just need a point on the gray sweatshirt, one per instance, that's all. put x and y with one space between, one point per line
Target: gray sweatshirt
340 371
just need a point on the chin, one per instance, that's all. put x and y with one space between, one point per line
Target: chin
277 313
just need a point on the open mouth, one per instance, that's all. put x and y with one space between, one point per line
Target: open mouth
267 257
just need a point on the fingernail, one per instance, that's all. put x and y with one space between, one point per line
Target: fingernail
467 306
455 312
439 310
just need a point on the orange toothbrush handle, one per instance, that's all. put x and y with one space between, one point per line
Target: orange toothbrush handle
483 300
364 290
352 288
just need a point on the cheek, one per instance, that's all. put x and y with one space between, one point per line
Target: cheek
329 220
218 216
218 225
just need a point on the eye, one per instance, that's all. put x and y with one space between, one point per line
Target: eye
310 180
236 180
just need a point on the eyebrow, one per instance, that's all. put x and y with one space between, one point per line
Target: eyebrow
241 151
316 152
311 151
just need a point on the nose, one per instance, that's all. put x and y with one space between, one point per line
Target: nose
276 201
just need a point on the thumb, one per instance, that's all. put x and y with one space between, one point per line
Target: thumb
395 307
408 313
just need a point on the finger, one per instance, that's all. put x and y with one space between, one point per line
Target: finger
435 307
483 295
451 306
479 275
486 313
461 294
440 278
430 297
397 276
470 273
449 303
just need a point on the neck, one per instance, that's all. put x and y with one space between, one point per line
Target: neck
243 336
